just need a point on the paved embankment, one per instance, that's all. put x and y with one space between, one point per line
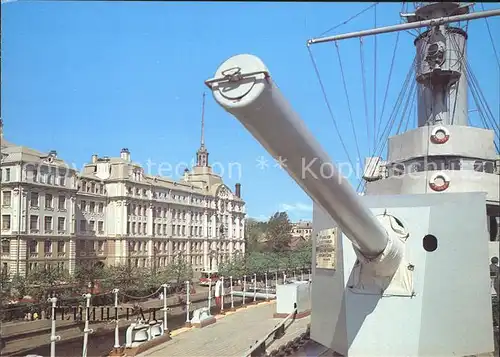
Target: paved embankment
101 342
231 335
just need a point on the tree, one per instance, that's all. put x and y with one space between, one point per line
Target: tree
255 232
5 288
235 268
179 269
18 286
304 254
89 273
278 232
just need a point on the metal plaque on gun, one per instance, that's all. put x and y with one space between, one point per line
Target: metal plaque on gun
326 248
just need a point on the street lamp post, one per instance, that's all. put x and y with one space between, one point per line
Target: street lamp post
53 336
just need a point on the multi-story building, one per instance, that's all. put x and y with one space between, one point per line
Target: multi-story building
301 232
302 229
113 213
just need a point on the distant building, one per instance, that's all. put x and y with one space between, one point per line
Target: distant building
113 213
302 229
301 232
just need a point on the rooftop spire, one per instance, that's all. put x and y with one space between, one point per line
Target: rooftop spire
202 153
202 140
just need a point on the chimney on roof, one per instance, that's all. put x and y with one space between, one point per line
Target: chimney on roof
125 154
237 190
53 153
94 158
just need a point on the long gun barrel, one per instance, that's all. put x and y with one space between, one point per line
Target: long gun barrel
243 87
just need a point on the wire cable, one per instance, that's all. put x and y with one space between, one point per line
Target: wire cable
347 99
316 70
348 20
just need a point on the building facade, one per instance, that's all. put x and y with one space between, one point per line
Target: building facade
112 213
302 229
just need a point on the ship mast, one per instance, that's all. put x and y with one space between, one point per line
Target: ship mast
442 94
444 153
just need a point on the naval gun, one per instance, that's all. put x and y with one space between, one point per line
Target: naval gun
395 275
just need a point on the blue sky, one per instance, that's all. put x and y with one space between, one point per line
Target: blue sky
94 77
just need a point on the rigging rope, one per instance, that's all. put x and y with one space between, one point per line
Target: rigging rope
411 96
363 80
491 38
413 111
388 81
325 97
388 127
348 101
348 20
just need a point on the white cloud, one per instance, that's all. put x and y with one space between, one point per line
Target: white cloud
7 1
296 207
261 218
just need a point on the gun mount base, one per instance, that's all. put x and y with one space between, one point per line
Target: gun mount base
446 262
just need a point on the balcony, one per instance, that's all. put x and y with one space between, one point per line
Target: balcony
61 231
48 255
33 255
48 231
61 255
34 230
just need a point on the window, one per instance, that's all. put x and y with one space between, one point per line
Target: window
478 166
33 223
100 246
33 247
92 207
48 224
34 175
61 224
83 205
48 200
101 207
92 185
5 222
454 164
60 246
489 167
83 225
7 198
5 269
92 226
47 247
7 175
5 247
61 203
100 226
50 179
62 180
34 199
